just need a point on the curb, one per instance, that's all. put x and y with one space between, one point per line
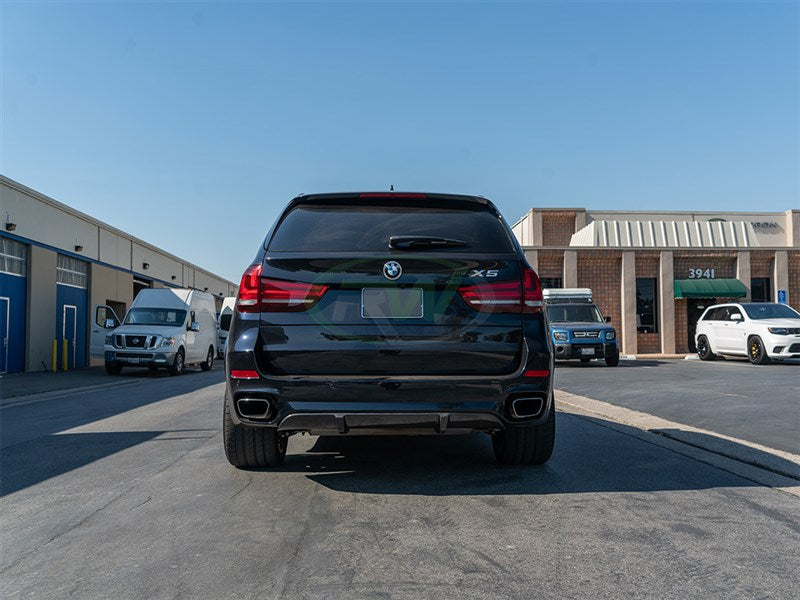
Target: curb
766 466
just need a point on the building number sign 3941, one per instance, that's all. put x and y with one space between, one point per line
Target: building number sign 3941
702 273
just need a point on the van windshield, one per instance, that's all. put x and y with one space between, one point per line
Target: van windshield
574 313
155 316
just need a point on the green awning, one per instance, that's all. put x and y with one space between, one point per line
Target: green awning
709 288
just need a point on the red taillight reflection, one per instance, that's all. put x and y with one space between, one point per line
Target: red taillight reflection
506 297
261 294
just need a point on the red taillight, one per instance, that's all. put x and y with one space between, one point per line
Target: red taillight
532 292
493 297
260 294
244 374
506 297
533 373
247 299
283 296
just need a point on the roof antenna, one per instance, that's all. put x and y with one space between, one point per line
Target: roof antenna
391 188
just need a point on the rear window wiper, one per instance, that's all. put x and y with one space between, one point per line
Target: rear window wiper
414 242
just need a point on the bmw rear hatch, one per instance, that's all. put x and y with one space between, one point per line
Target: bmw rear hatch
390 284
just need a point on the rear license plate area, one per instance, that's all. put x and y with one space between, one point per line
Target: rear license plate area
391 303
589 351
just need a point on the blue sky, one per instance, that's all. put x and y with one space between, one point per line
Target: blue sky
191 124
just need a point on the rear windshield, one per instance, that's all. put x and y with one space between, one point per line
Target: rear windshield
225 321
346 228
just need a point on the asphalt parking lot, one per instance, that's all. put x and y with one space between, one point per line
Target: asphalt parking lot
759 404
126 493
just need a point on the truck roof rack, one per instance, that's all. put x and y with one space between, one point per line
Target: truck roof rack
567 295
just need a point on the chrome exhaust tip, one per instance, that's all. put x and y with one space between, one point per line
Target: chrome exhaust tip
526 407
254 408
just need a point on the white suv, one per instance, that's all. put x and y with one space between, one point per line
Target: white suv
759 330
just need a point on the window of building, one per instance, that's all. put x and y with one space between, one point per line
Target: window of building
550 282
646 309
71 271
760 289
13 257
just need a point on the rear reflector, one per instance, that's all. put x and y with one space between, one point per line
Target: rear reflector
260 294
244 374
533 373
507 297
390 195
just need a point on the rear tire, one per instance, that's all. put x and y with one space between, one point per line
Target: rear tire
252 446
704 349
206 366
756 351
526 445
177 366
113 368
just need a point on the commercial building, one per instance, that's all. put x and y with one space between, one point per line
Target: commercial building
654 273
57 263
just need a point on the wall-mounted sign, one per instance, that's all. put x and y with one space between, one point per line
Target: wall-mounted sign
782 296
700 273
761 225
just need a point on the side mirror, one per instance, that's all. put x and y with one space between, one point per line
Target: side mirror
195 326
608 319
736 317
110 323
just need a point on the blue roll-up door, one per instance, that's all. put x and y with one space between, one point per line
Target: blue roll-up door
72 310
13 302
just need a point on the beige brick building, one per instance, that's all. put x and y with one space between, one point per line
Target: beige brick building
654 273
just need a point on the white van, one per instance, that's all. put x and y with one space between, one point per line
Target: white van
225 316
164 327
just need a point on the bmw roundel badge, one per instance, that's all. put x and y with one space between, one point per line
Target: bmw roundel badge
392 270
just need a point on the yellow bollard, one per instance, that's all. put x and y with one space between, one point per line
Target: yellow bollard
54 361
65 356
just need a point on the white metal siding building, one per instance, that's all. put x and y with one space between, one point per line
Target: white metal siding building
56 263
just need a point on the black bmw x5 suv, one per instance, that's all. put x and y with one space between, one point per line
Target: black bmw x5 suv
386 313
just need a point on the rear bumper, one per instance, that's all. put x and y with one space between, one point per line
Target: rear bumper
391 405
566 350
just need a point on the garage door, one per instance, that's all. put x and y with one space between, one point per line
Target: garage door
72 276
13 297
